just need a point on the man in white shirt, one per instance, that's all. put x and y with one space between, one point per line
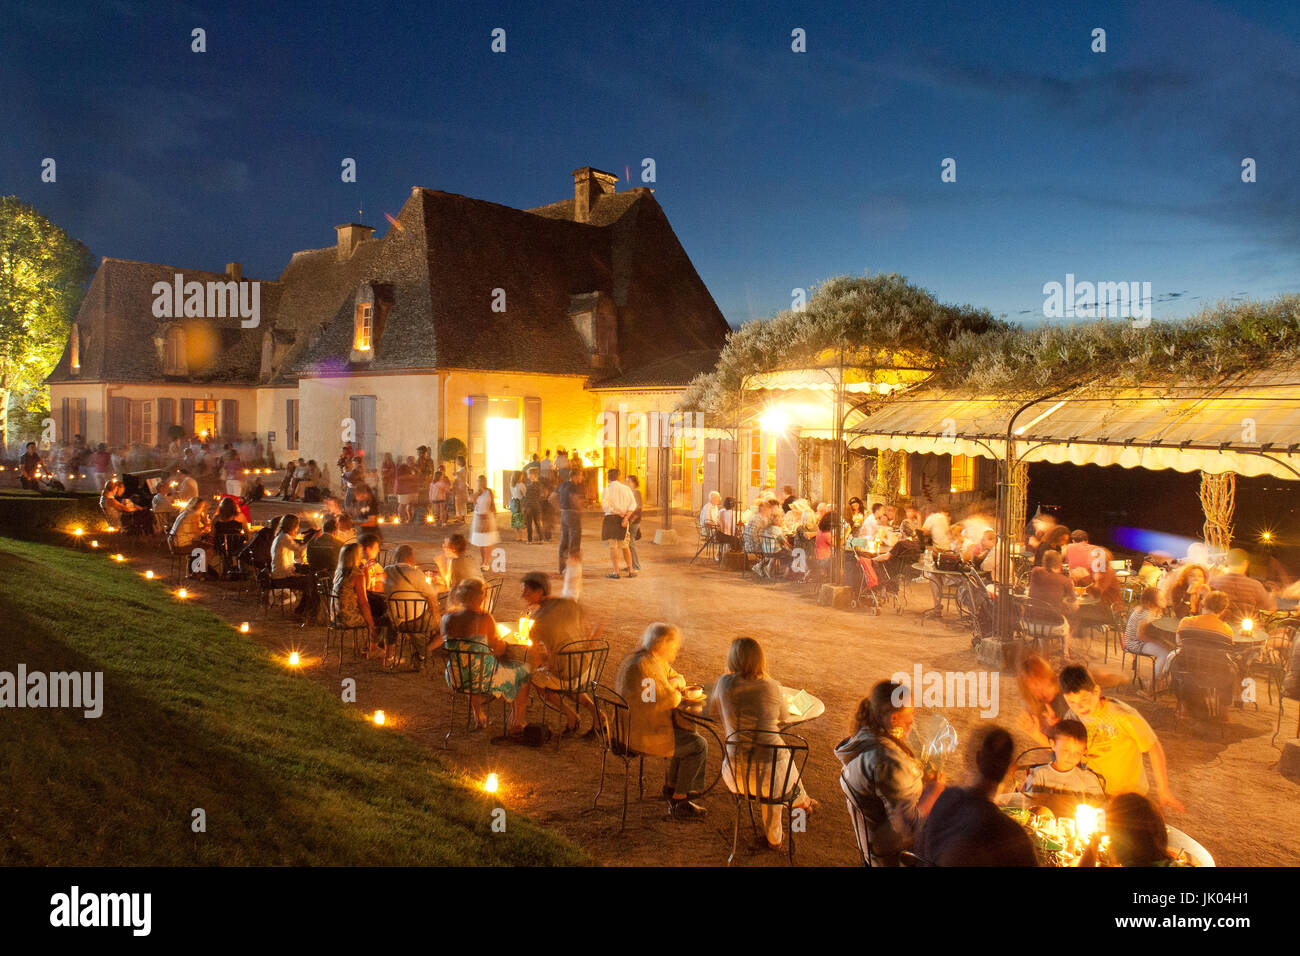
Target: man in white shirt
547 466
401 578
871 523
709 513
619 503
936 526
186 486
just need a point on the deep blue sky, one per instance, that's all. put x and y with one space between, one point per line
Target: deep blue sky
776 169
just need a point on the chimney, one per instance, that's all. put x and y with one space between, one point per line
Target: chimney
234 271
351 235
588 186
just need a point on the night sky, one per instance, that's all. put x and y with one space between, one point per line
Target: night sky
777 169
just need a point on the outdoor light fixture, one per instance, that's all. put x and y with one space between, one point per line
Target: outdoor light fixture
1266 536
428 519
379 718
773 420
381 520
491 783
243 627
395 520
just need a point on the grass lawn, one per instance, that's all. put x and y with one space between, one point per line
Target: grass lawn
197 716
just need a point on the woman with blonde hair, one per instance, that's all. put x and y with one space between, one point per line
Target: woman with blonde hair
470 622
748 699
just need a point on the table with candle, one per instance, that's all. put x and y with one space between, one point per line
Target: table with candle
517 641
1061 840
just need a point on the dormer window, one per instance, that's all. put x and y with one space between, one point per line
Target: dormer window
174 358
365 327
76 348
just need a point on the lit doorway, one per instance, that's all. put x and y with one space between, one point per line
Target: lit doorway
505 443
205 417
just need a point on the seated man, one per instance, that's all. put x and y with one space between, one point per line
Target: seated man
1214 610
709 513
1049 585
966 828
455 563
777 548
323 550
557 622
1065 775
652 689
1246 594
374 576
401 578
30 467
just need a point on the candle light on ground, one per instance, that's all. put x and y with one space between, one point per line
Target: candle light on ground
243 627
294 659
78 531
428 519
182 594
380 718
149 575
491 783
119 558
94 543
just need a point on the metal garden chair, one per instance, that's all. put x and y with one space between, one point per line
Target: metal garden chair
765 768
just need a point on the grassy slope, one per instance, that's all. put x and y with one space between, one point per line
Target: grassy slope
197 716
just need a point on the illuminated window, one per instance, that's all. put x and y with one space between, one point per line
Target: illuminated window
205 417
963 474
762 459
365 326
76 348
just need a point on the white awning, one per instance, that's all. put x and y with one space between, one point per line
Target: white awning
1249 425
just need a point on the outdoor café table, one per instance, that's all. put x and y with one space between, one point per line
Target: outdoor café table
942 579
696 712
1179 843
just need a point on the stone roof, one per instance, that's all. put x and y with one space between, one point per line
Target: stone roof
439 267
118 330
676 371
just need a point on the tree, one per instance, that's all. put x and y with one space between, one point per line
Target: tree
882 324
451 449
43 276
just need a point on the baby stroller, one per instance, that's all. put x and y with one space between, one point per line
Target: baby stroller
975 607
876 586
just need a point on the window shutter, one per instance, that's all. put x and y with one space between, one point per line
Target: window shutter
533 425
117 410
166 418
79 404
65 423
477 437
230 418
363 410
291 423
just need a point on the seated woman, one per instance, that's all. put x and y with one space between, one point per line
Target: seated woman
883 777
351 606
190 525
1141 638
119 511
1049 585
289 567
228 531
726 532
470 622
1189 586
748 699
